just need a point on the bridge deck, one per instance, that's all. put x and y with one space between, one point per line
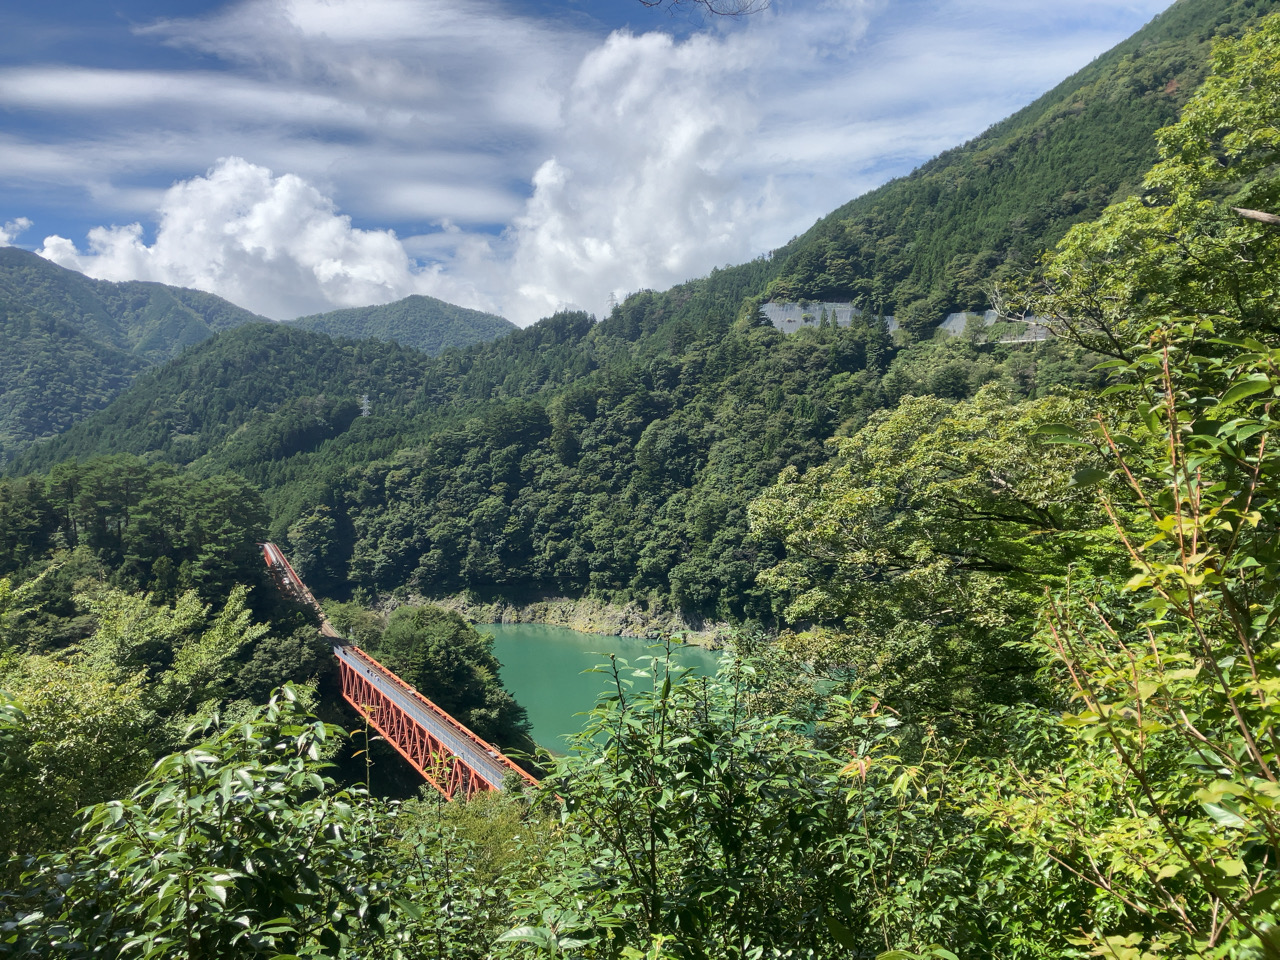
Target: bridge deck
474 752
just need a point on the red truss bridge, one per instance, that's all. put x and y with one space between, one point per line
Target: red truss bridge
452 759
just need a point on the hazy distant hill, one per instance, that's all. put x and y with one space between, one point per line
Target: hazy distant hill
150 320
69 344
254 394
423 323
51 375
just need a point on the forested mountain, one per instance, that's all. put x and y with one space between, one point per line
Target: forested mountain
52 374
150 320
1021 701
256 394
613 458
617 457
935 241
69 344
423 323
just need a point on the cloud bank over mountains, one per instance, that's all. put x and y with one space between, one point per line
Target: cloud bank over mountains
357 151
273 244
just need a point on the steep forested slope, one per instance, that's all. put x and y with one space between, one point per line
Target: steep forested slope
151 320
254 394
51 375
424 323
69 344
617 457
935 241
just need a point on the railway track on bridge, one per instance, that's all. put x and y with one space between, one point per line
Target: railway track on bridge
453 759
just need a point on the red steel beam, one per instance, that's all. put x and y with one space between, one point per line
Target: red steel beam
442 717
449 774
428 754
288 580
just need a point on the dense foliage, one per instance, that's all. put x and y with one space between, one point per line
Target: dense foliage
53 375
151 527
69 344
1026 707
423 323
96 714
921 552
224 850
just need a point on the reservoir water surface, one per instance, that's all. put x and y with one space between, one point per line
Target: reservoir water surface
543 668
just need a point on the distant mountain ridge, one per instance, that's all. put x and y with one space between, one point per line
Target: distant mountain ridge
153 321
255 394
52 375
69 344
423 323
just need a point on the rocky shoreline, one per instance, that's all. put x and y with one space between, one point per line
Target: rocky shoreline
590 616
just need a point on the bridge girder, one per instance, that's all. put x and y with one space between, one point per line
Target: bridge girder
427 753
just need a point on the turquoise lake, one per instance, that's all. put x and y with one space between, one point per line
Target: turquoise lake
543 668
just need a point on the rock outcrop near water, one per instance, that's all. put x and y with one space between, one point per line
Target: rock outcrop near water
592 616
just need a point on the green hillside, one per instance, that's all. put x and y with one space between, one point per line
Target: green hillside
150 320
252 395
935 241
52 375
616 458
423 323
69 344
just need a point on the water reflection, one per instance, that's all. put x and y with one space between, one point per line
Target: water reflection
542 667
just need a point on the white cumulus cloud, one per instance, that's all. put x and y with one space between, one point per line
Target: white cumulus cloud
11 230
273 244
645 189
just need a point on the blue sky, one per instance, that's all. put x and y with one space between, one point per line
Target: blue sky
300 155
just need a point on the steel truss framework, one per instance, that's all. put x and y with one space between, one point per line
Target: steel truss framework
426 753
